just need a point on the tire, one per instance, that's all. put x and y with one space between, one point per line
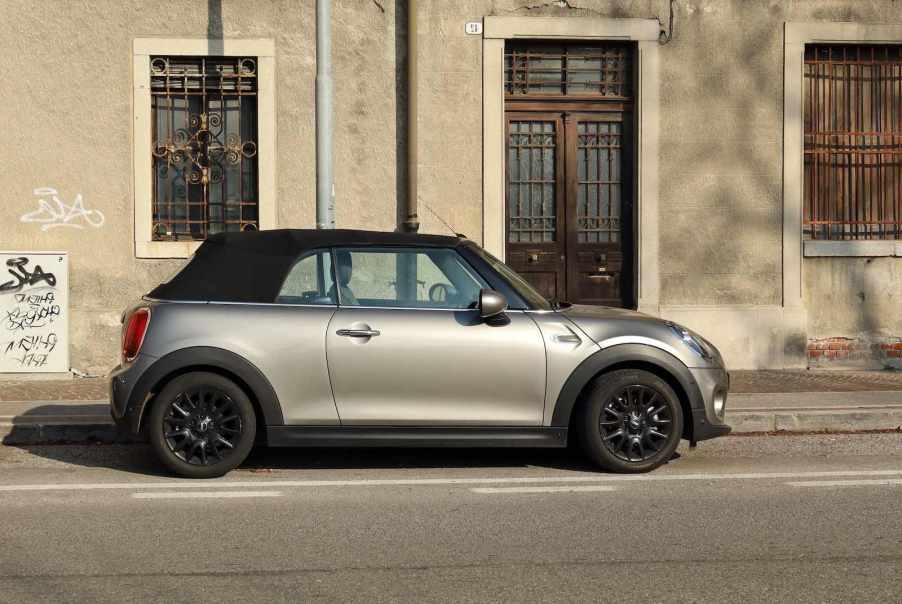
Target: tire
643 408
201 425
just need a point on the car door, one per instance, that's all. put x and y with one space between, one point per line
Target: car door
407 345
293 341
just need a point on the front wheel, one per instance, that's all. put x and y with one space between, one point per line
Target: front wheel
201 425
631 421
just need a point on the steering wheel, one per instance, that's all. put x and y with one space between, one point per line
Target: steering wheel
440 292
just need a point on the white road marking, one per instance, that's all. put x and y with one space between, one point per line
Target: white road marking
847 483
206 494
402 482
565 489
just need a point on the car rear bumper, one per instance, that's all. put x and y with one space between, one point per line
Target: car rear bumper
126 398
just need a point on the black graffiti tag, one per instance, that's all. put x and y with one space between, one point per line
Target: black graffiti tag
32 359
35 344
24 277
37 314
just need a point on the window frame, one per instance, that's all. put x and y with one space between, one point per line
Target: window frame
414 249
322 251
795 247
142 159
824 123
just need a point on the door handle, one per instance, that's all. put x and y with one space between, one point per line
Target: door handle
600 277
358 333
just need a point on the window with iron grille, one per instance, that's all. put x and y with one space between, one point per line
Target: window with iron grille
853 142
204 133
538 68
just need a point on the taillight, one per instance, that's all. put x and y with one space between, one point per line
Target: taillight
133 336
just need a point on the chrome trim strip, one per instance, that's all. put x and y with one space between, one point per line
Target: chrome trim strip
225 302
336 306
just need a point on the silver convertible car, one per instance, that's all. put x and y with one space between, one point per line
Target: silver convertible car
359 338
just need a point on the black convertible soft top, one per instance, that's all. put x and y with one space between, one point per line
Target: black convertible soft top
251 266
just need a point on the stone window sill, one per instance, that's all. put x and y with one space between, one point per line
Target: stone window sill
852 248
165 249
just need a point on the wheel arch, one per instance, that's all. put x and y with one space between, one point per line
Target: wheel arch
629 356
213 360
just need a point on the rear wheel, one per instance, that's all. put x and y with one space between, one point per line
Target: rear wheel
631 421
202 425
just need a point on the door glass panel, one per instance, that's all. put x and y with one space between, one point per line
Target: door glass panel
309 281
531 182
408 278
598 192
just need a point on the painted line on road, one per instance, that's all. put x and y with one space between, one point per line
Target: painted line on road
394 482
847 483
565 489
206 494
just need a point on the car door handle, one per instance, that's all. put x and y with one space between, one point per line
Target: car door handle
358 333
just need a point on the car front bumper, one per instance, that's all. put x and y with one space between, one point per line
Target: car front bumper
708 414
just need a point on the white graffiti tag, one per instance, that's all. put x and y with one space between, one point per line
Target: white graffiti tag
56 213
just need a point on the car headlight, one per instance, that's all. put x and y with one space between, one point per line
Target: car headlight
693 342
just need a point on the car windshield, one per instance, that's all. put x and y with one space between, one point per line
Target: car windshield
518 283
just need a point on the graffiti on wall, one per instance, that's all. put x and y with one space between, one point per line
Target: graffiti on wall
53 212
33 312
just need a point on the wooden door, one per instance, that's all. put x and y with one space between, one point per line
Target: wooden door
599 209
569 210
534 209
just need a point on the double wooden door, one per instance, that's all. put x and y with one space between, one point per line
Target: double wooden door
569 206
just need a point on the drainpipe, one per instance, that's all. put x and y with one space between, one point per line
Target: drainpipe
325 187
411 220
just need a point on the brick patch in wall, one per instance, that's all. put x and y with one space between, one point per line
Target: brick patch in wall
884 351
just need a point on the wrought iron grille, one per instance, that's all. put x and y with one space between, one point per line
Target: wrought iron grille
853 142
541 68
531 182
204 126
598 197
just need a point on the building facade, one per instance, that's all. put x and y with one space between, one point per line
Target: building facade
738 171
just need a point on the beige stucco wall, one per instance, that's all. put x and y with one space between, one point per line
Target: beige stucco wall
66 107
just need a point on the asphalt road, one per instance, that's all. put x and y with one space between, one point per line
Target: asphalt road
802 518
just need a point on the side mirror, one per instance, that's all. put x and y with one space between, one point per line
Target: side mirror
491 303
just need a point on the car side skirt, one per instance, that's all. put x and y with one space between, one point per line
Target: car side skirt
410 436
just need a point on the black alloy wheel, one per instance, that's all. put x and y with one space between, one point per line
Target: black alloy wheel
635 423
629 420
201 425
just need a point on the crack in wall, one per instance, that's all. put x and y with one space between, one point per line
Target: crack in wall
565 4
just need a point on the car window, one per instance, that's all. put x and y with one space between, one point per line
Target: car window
522 287
309 281
418 278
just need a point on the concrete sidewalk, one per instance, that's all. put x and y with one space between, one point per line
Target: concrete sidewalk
77 410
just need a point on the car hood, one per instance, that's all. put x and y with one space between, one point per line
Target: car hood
605 322
584 311
608 326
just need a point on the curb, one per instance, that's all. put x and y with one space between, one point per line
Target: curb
853 419
61 433
93 429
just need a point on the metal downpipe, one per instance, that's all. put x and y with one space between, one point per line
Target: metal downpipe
411 222
325 187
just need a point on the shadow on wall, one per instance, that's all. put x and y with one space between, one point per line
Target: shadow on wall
214 27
